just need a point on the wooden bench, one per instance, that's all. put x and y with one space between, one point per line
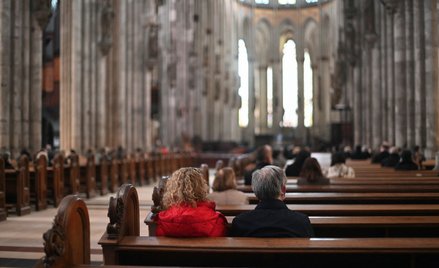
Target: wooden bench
3 211
72 175
353 188
123 246
38 182
346 209
55 180
356 198
88 176
67 243
18 187
102 174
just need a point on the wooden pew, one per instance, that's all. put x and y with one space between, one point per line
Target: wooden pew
55 180
67 243
356 198
141 168
122 245
347 209
18 187
39 182
72 174
353 188
88 176
132 171
102 174
3 210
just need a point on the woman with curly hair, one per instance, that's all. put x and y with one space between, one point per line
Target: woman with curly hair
188 212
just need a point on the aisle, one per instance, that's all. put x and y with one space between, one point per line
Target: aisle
21 242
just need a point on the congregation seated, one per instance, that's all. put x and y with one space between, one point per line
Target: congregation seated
264 157
359 153
383 154
224 189
295 168
187 211
393 158
338 168
406 162
271 217
6 156
418 157
312 173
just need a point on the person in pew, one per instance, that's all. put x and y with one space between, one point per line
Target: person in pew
295 168
271 217
418 157
338 168
383 154
312 173
359 154
393 158
224 189
406 162
6 155
187 211
264 157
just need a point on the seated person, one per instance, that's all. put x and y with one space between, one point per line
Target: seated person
6 155
224 189
359 154
312 173
393 158
264 157
338 168
187 211
271 217
406 162
383 154
418 157
294 169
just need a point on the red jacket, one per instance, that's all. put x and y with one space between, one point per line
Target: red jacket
187 221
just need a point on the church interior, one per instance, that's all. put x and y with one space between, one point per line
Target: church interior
96 94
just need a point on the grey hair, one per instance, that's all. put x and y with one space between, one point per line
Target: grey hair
267 182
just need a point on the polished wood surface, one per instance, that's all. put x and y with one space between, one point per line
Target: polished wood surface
2 191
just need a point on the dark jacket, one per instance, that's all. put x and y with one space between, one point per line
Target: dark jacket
391 161
271 218
406 166
248 174
380 157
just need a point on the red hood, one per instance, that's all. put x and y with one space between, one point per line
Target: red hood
187 221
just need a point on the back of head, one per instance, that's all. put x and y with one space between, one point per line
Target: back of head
186 186
338 158
311 169
267 182
224 180
264 154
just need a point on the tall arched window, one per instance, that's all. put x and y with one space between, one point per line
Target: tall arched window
308 90
289 85
243 89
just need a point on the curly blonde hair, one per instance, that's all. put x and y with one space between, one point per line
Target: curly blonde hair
185 186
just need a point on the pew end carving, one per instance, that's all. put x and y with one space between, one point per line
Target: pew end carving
67 243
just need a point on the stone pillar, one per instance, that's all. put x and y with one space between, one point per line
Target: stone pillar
277 95
410 72
262 99
5 72
390 77
301 98
358 107
376 96
383 78
431 71
419 89
400 77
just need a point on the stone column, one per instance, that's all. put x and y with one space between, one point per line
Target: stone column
376 96
419 89
262 99
383 78
5 72
301 98
277 94
410 72
390 77
400 77
358 107
431 71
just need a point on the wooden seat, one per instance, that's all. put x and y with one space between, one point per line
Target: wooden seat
2 191
39 182
67 243
55 180
18 187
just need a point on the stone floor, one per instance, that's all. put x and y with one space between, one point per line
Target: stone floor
21 242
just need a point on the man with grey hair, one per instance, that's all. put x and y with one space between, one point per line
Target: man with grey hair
271 217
